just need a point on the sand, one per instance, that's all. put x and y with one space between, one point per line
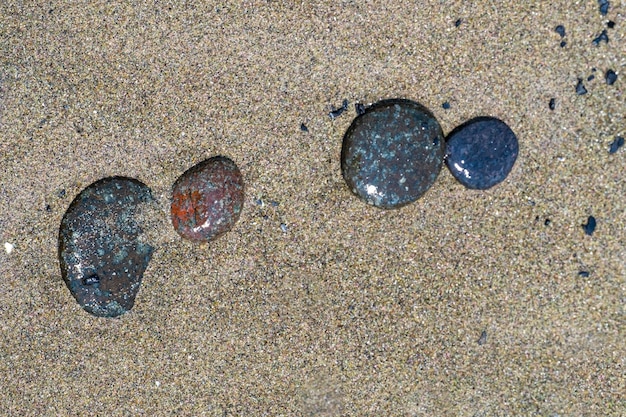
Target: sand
317 304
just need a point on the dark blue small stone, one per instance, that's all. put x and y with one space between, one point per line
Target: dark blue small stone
610 24
303 127
458 22
610 77
392 154
584 274
552 104
591 77
560 29
481 152
446 105
563 43
603 37
604 6
102 249
590 226
580 87
616 144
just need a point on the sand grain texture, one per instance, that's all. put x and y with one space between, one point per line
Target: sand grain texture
346 309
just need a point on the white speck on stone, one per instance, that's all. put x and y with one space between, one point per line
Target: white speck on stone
8 247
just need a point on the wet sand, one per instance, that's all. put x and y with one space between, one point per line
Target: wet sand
317 304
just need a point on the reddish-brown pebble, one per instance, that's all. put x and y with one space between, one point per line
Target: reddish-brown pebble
207 199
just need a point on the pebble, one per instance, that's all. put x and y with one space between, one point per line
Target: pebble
610 77
392 154
604 6
560 29
590 226
552 104
617 143
103 251
207 199
602 37
580 87
481 152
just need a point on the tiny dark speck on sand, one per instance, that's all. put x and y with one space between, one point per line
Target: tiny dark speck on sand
560 29
446 105
604 6
583 274
610 77
483 338
552 104
616 144
601 37
563 43
580 87
334 113
610 24
303 127
458 22
590 226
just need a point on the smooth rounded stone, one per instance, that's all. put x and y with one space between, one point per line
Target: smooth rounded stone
207 199
481 152
103 250
392 153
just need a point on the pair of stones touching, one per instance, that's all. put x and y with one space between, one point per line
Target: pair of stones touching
391 155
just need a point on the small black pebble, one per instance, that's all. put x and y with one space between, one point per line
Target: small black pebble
593 69
580 87
458 22
591 77
563 43
560 29
334 113
610 24
359 108
446 105
547 222
590 226
616 144
604 6
601 37
483 338
48 208
552 104
583 274
61 194
481 152
610 77
303 127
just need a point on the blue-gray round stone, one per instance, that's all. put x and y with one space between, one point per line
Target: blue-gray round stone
103 251
481 152
392 153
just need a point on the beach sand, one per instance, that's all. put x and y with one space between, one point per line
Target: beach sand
317 304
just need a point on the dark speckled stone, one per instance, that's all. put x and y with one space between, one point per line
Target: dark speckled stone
392 153
102 249
481 152
207 199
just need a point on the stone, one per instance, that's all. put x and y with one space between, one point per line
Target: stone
392 153
103 251
481 152
610 77
207 199
590 226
